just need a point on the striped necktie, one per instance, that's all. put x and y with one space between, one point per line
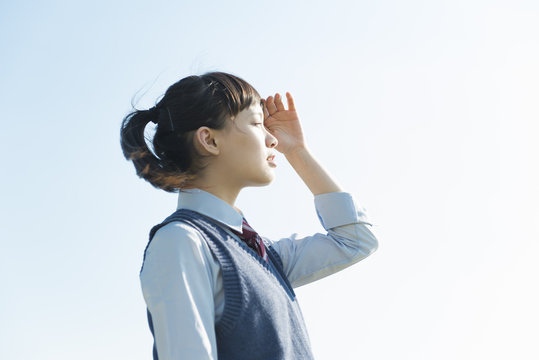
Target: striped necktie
252 239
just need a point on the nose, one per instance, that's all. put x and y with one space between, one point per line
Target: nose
271 141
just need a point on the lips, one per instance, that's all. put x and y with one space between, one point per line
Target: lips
271 157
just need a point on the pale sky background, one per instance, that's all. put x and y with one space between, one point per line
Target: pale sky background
426 111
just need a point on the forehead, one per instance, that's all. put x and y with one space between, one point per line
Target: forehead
255 110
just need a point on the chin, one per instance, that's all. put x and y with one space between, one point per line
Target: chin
264 181
271 177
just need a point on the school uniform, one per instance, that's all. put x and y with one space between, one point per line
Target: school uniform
210 296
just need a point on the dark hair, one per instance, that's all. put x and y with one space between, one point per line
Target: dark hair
207 100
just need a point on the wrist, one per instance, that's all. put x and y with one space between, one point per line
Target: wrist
297 151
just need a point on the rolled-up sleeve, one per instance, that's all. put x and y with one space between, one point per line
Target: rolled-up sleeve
348 240
177 285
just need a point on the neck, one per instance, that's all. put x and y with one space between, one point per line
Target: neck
223 192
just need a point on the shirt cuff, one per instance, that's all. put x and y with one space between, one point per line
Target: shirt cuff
337 209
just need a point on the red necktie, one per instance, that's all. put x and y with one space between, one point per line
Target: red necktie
252 239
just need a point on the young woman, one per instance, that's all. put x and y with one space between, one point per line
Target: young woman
213 287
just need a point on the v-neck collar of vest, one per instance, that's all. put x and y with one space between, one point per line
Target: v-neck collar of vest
272 269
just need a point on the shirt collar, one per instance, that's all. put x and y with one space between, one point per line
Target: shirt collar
210 205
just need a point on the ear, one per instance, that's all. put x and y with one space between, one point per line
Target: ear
205 140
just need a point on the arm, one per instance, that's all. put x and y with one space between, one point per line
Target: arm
311 172
349 236
178 289
348 240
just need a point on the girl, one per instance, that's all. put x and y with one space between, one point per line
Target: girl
213 287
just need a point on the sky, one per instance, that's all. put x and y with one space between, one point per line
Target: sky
425 111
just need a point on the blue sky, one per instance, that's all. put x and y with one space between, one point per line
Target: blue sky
425 111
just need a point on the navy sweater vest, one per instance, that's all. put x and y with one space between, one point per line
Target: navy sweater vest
261 317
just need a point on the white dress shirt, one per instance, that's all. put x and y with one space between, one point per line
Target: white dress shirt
182 281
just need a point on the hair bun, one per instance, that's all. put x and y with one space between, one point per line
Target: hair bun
154 114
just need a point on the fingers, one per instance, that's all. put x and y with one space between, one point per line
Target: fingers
290 101
270 105
274 104
265 110
279 102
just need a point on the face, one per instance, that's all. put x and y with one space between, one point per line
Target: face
245 149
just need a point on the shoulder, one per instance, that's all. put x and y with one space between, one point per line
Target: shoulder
177 260
177 239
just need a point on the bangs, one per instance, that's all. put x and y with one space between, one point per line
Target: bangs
233 93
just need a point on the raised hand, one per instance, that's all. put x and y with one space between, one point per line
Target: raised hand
283 124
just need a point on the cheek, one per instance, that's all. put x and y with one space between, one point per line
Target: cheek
248 148
240 152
